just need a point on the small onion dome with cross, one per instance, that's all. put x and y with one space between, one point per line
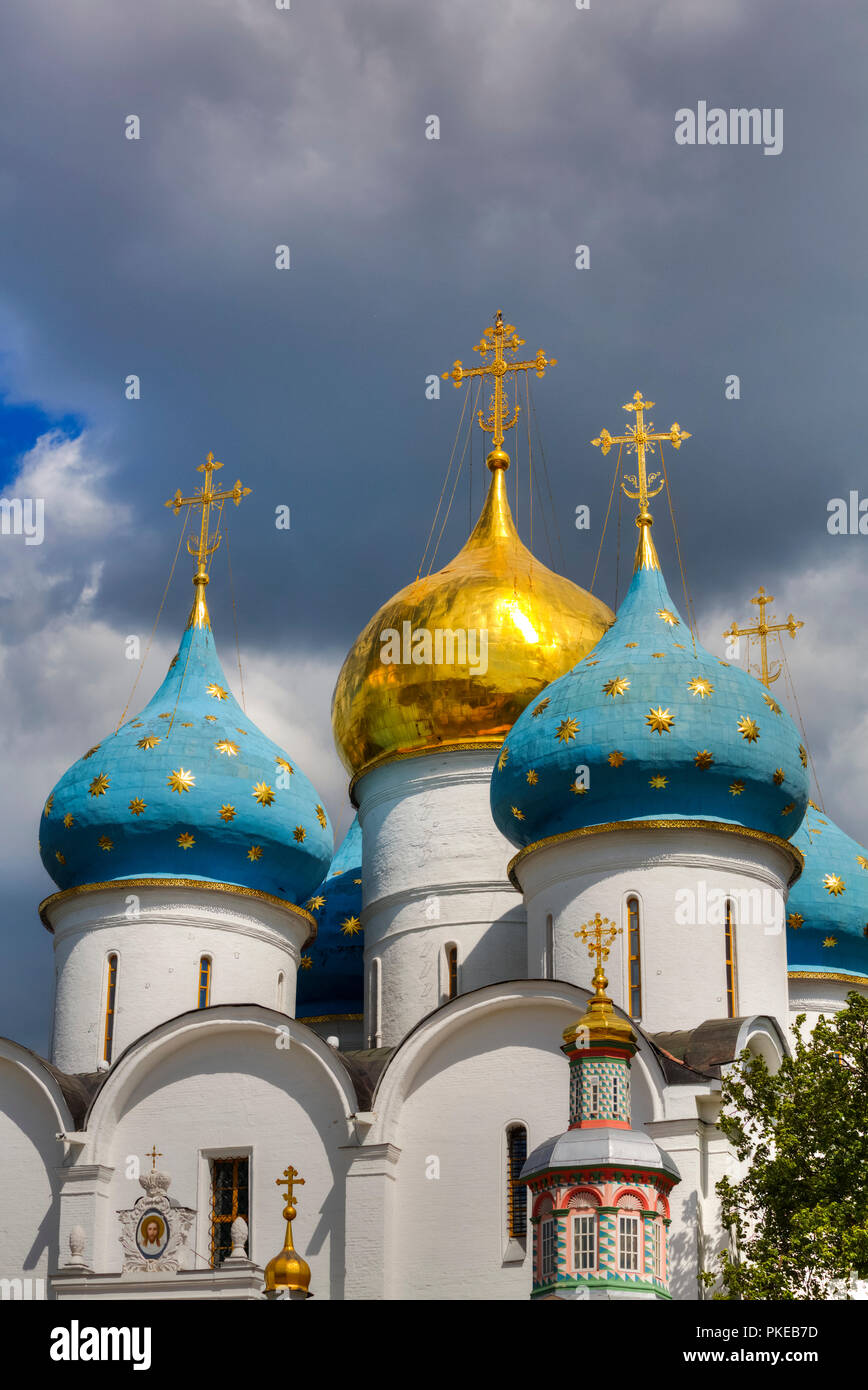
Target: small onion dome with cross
650 726
535 622
331 986
827 909
289 1270
189 788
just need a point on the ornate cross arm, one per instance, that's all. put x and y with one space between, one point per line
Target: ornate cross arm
499 339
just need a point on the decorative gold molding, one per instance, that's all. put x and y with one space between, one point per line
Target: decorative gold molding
120 884
796 854
469 745
827 975
331 1018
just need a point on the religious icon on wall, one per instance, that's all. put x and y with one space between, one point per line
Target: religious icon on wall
152 1234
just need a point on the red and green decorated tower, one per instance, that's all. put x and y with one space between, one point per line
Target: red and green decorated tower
599 1194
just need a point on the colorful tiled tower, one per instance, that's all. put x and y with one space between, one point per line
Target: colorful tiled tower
600 1192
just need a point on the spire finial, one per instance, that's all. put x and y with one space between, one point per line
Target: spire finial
501 340
205 497
153 1156
598 934
288 1270
762 630
599 1023
639 438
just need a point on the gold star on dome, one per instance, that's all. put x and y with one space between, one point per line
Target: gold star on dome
351 926
631 644
168 715
357 880
306 963
834 884
321 816
813 804
227 813
659 720
241 731
49 803
69 820
778 776
831 941
180 780
216 691
59 857
262 793
105 843
173 663
616 686
299 834
749 729
723 663
503 759
789 809
543 704
149 741
803 756
212 718
772 704
287 767
99 785
703 759
658 781
225 745
795 920
186 840
567 730
314 904
185 724
667 617
700 686
519 815
679 645
254 852
137 806
592 663
90 752
532 777
616 758
860 858
579 788
737 787
659 655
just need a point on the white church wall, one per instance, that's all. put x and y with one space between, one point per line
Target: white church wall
32 1114
159 934
226 1086
681 879
434 875
815 995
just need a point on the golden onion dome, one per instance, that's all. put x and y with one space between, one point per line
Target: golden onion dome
454 658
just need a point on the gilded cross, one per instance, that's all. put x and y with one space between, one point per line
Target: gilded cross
290 1178
205 497
639 438
497 348
598 936
153 1156
762 630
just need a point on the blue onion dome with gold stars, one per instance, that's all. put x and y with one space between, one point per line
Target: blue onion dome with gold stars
650 726
189 788
331 977
827 909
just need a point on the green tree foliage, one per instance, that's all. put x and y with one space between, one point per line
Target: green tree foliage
799 1216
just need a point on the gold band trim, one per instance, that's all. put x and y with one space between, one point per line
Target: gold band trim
828 975
202 883
469 745
767 838
330 1018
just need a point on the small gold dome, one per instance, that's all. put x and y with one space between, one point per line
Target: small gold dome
288 1271
538 624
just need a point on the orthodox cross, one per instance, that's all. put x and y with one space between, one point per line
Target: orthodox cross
598 936
205 497
290 1178
498 340
639 438
153 1156
762 630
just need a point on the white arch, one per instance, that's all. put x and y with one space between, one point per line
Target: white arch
42 1078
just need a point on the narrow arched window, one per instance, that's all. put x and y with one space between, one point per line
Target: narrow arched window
549 973
634 958
548 1248
585 1241
110 1000
729 952
451 971
628 1242
516 1192
280 991
374 1004
204 991
616 1099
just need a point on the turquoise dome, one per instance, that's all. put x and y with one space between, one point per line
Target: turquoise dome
827 910
331 986
665 729
190 789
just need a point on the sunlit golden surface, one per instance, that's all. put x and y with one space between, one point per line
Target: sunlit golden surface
538 624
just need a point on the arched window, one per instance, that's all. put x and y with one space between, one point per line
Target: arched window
585 1241
657 1249
374 1004
280 991
616 1098
204 992
729 950
451 972
594 1112
628 1241
547 1248
634 958
516 1192
549 966
110 1000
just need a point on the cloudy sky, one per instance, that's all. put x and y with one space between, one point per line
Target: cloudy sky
307 127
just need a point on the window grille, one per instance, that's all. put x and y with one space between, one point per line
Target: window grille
229 1199
628 1242
516 1192
585 1242
110 998
204 992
